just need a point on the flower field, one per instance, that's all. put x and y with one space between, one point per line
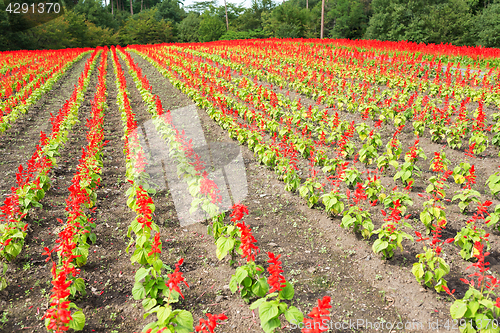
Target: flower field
367 197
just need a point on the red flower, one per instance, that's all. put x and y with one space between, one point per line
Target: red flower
247 242
209 325
144 201
319 315
276 280
175 278
155 248
448 290
238 212
497 304
209 187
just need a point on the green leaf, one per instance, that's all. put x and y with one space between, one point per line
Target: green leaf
224 245
418 271
163 313
473 306
379 245
233 285
138 291
260 287
148 303
141 273
184 321
78 321
157 265
270 325
458 309
294 316
287 292
268 311
240 274
257 303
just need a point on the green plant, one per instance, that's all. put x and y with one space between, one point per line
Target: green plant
271 306
402 198
359 219
352 177
4 319
249 280
461 171
471 234
333 202
478 142
493 183
431 268
308 191
478 309
408 169
389 235
466 196
3 277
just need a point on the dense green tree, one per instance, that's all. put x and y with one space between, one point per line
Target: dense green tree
146 27
487 26
95 12
187 29
211 27
251 18
446 22
251 34
347 18
170 10
77 29
202 6
427 21
287 21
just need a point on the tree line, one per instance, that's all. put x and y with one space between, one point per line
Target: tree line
92 23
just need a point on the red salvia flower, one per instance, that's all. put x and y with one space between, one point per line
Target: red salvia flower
319 316
175 278
209 325
247 242
276 280
155 248
238 211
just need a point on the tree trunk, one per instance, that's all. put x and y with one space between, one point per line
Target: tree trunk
132 10
307 4
142 3
112 8
322 16
227 20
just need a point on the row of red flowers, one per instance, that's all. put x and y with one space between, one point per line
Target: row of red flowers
72 244
148 279
33 182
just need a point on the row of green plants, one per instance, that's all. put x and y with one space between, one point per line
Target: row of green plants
72 244
158 291
272 293
34 181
